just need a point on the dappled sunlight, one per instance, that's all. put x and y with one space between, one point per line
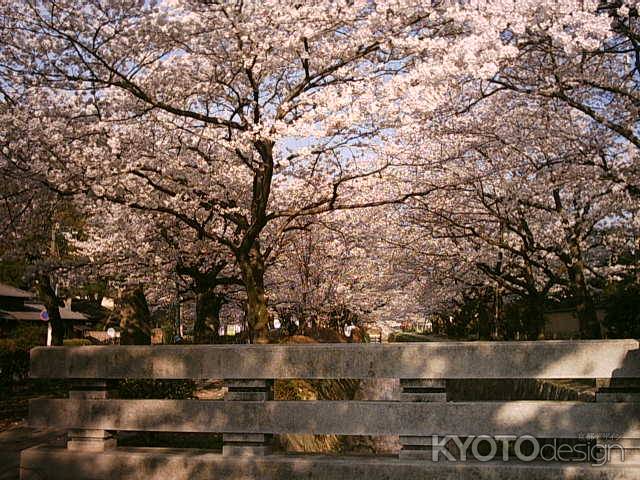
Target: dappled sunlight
412 362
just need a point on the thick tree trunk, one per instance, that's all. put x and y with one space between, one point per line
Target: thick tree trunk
252 270
586 313
52 304
574 263
585 308
208 304
534 315
485 325
135 317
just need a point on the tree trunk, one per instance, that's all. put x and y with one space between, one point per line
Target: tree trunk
585 308
52 304
485 326
135 318
534 315
208 304
574 263
586 313
252 270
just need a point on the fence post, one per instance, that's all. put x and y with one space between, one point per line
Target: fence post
242 443
90 440
619 390
420 390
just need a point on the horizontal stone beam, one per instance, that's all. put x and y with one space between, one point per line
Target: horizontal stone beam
162 463
541 419
543 359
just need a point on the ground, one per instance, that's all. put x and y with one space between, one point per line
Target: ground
15 436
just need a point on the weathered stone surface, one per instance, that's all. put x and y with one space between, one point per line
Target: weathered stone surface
377 389
423 390
90 440
253 384
422 441
618 390
617 397
410 383
161 464
245 437
90 394
543 359
232 450
97 434
247 396
240 444
420 390
91 444
423 397
543 419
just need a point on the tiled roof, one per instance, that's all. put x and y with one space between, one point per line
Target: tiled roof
9 291
34 315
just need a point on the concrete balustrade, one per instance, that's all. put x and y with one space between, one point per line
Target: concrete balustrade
248 416
621 390
243 443
438 360
541 419
90 440
420 390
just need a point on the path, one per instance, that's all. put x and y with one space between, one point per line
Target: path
16 436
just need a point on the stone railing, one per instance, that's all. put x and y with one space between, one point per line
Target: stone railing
498 439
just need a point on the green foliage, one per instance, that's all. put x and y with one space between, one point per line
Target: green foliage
157 389
168 332
13 272
622 305
76 342
27 336
14 366
407 337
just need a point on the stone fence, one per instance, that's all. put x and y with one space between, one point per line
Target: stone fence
440 439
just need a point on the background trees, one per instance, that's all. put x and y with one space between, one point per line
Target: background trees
384 158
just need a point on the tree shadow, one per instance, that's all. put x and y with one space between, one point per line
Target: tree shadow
455 360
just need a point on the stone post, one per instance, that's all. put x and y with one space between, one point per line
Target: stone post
90 440
619 390
420 390
241 443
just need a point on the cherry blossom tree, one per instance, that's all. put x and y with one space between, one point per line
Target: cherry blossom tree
144 250
161 112
245 122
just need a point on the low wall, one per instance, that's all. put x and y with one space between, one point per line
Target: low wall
426 409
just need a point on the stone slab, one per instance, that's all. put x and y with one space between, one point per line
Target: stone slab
160 464
245 437
254 384
422 383
246 450
83 433
424 455
539 359
545 419
91 444
426 441
617 397
91 394
247 396
423 397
